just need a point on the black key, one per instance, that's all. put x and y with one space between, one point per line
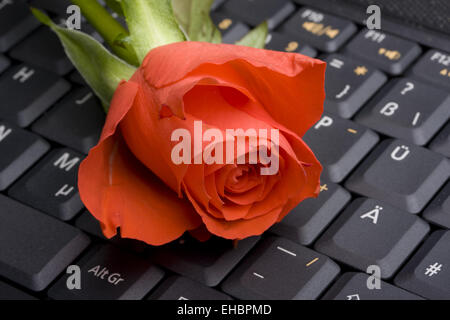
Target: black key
349 85
4 63
441 143
28 92
44 50
51 186
281 42
19 150
76 77
16 21
371 233
181 288
438 211
75 122
427 273
232 30
404 175
57 7
321 30
108 273
385 51
339 145
8 292
433 67
408 110
255 12
208 262
279 269
353 286
307 221
216 4
35 248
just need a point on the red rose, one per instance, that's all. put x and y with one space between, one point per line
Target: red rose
130 180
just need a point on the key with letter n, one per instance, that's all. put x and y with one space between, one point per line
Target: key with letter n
51 186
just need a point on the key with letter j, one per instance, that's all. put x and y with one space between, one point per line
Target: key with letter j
402 174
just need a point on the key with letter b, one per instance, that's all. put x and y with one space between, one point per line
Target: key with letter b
52 185
408 110
401 174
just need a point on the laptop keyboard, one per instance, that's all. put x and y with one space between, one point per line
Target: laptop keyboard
384 141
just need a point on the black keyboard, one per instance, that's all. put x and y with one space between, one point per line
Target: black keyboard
384 141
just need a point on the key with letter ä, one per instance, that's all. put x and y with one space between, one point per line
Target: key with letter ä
51 186
402 174
407 109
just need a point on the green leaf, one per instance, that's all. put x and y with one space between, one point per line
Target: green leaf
194 18
101 70
151 24
115 6
256 38
109 28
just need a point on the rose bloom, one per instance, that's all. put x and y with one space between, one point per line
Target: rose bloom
129 180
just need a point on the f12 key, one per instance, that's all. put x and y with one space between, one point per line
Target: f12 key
387 52
433 67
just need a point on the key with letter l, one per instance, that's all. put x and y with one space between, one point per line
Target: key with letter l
385 51
51 186
407 109
321 30
428 273
349 84
35 248
370 232
279 269
404 175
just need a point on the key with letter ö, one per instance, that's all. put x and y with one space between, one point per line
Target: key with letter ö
279 269
107 273
370 232
51 186
404 175
349 84
428 272
407 109
353 286
339 145
384 51
322 31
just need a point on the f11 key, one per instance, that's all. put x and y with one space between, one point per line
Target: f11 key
387 52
